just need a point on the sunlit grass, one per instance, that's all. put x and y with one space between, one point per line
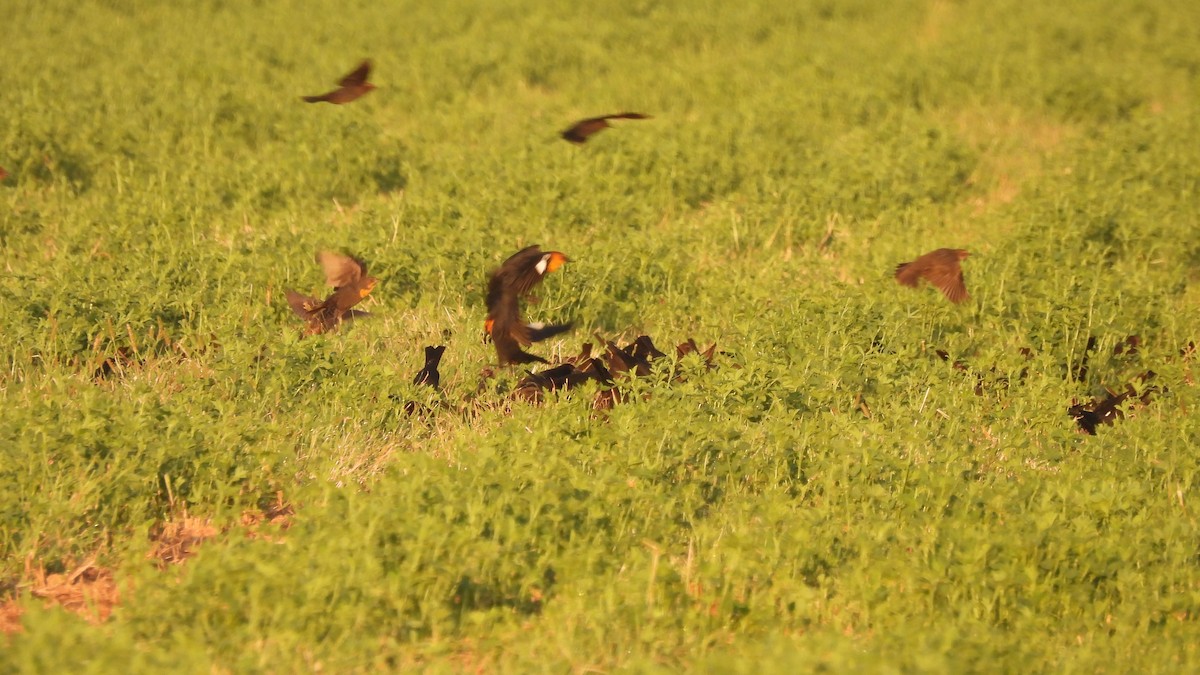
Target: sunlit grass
834 493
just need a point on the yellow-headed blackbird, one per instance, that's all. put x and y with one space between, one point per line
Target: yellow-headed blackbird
508 284
351 87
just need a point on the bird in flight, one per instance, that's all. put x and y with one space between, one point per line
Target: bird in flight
350 87
508 284
348 276
580 131
942 268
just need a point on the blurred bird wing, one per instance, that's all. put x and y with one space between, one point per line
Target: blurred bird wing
509 350
579 131
908 274
950 281
358 76
520 273
301 304
341 270
533 269
536 332
526 334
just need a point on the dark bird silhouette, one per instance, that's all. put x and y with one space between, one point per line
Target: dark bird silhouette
514 279
350 282
1129 346
531 387
429 375
643 348
594 370
350 87
581 130
625 359
942 268
1109 410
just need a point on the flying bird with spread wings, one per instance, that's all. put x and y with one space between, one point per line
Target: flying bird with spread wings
942 268
351 284
510 282
350 88
579 132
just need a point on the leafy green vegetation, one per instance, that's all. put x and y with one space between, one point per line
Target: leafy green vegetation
835 494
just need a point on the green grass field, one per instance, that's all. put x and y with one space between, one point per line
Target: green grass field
833 496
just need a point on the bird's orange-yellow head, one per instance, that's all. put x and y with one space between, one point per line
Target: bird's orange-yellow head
555 260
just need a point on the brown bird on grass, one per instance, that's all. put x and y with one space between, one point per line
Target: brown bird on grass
350 87
531 387
561 378
581 130
508 284
350 282
690 347
941 268
3 173
625 359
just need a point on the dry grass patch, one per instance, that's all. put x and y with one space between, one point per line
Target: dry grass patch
176 540
1014 147
940 14
87 590
279 513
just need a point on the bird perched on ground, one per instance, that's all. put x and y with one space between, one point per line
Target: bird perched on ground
643 348
3 173
625 359
1108 410
429 375
508 284
941 268
350 282
581 130
350 87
